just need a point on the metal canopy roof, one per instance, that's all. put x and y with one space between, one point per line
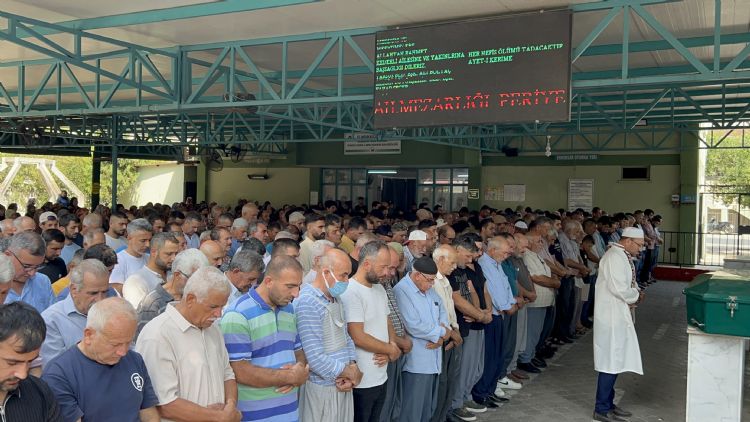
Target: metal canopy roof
125 75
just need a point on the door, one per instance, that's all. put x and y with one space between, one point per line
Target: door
401 191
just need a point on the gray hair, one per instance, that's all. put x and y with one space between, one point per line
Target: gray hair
77 257
364 239
206 280
101 312
189 261
6 269
253 227
18 222
443 251
92 219
89 236
247 261
160 239
28 241
496 242
206 235
370 250
140 225
319 248
4 243
239 223
90 266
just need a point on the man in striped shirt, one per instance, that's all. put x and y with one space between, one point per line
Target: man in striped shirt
265 351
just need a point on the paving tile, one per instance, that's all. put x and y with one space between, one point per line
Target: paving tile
565 390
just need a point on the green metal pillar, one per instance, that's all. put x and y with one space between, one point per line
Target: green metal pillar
690 242
96 174
115 138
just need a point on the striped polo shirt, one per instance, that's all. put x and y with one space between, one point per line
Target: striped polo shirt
255 332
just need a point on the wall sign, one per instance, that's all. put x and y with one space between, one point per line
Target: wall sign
580 194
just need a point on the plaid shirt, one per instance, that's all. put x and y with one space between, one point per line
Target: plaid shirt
395 315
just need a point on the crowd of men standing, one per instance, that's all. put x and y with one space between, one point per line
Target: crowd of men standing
195 313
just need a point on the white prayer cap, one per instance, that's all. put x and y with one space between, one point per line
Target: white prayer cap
632 232
417 235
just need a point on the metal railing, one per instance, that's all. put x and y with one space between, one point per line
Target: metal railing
708 249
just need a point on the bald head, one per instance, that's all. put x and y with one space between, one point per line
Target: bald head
24 224
214 252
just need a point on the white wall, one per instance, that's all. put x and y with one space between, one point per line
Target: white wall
163 183
289 185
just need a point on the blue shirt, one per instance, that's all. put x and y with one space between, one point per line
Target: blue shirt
497 284
92 391
64 328
37 292
422 314
313 310
68 251
235 245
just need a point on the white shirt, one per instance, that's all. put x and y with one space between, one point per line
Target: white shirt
184 361
139 284
370 306
126 266
545 296
443 288
116 244
305 254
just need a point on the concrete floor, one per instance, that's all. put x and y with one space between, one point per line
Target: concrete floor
565 390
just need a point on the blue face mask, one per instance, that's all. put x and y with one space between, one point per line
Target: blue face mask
339 287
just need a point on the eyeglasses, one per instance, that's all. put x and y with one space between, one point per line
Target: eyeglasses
430 279
28 268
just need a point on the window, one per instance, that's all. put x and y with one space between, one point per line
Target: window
344 185
445 186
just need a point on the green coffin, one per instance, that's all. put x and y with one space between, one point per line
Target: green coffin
719 303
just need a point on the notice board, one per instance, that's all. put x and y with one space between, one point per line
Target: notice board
580 194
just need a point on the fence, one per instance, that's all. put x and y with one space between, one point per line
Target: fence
708 249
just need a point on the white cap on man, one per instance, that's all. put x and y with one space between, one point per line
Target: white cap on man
632 232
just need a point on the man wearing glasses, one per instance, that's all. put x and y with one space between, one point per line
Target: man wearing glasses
616 347
26 251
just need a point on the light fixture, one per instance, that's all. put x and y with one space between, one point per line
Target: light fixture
462 176
257 176
382 171
548 148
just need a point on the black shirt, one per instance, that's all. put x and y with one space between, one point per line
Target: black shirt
32 401
355 265
458 280
477 280
55 269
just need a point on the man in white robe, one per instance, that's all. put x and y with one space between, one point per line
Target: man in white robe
616 347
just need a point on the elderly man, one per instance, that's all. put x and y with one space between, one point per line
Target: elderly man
101 253
103 358
497 341
115 236
89 283
185 264
616 347
315 225
164 248
446 258
214 252
265 352
427 324
327 394
319 248
24 398
297 220
134 257
570 238
70 225
394 392
239 234
416 247
93 237
250 212
366 309
540 309
54 267
7 229
26 251
446 234
245 269
184 353
258 230
24 224
90 222
190 229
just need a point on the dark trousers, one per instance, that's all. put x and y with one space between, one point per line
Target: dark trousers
496 343
368 402
565 306
392 403
549 323
448 382
605 393
648 255
510 335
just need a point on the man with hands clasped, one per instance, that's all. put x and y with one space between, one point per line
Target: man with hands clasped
327 394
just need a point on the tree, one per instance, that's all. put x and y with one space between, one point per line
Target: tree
28 182
728 167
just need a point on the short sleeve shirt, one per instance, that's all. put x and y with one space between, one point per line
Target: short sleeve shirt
91 391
